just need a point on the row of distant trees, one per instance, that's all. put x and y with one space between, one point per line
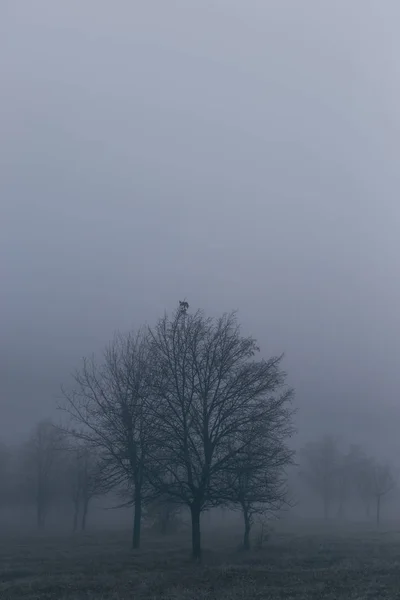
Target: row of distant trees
54 473
183 414
53 469
340 475
49 470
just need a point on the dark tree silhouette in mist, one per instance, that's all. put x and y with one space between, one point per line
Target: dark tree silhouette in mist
109 404
211 392
41 454
320 468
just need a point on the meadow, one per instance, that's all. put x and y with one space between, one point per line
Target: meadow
299 565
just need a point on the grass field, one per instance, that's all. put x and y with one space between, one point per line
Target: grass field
101 566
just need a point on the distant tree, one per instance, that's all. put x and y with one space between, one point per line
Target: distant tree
384 482
349 465
109 410
4 474
164 514
41 454
257 483
320 468
210 392
87 480
374 481
364 484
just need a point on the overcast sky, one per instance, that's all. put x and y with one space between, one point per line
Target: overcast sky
241 154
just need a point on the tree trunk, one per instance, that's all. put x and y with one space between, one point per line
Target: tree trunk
84 514
137 518
247 528
196 538
378 509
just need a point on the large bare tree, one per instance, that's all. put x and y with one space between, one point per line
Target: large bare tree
211 392
109 409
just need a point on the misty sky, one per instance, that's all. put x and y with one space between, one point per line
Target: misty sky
241 154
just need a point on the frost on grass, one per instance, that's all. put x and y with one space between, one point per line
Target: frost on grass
100 567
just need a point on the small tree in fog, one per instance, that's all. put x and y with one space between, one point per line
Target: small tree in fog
210 392
87 480
256 482
110 405
320 469
5 475
349 466
164 514
374 481
364 484
384 483
41 454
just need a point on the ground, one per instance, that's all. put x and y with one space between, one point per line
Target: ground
98 566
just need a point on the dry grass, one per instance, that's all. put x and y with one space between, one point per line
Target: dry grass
101 567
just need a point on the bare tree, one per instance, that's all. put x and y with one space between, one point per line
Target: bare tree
320 469
374 481
164 513
257 483
109 403
384 483
210 392
42 451
4 474
364 484
87 480
349 465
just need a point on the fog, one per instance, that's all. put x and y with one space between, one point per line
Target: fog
242 155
